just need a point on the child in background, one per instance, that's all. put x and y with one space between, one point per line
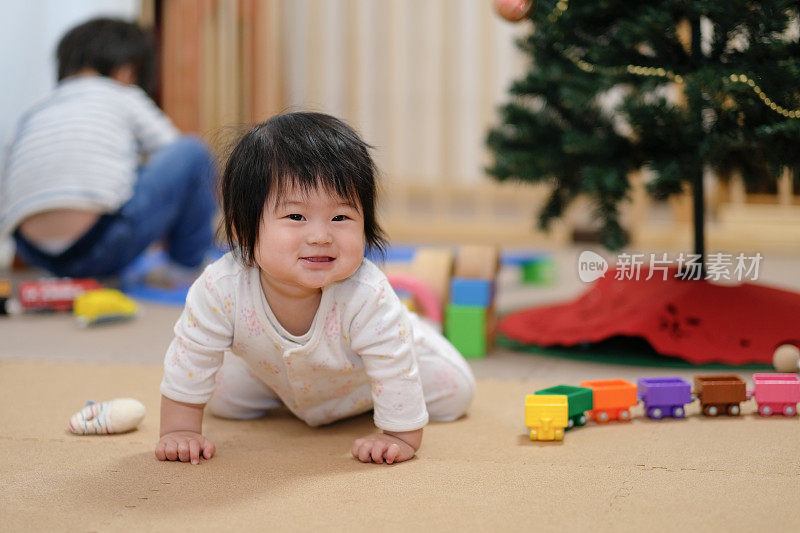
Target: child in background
73 192
306 321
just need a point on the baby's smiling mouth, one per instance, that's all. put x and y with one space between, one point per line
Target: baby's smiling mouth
318 259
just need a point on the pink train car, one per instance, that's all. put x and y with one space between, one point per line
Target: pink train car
776 393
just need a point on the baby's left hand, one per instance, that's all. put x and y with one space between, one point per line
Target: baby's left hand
382 447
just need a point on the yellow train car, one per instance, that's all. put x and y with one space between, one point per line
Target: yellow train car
546 415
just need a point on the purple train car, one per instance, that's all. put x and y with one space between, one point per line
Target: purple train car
664 396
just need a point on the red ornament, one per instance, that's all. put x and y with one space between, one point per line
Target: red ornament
513 10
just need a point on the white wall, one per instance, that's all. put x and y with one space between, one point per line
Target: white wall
29 32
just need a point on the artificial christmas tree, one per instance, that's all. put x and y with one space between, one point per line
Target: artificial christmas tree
677 86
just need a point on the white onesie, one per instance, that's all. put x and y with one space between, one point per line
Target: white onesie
364 350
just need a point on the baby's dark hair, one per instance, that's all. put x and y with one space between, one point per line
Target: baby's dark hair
104 45
303 150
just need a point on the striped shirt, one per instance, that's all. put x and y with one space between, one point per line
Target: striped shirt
79 148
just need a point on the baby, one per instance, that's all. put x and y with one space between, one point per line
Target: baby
295 315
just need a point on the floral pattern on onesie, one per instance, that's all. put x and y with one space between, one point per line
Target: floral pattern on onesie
255 327
403 333
332 326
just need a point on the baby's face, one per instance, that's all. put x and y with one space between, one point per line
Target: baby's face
307 241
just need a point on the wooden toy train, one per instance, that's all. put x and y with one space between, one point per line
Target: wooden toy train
549 412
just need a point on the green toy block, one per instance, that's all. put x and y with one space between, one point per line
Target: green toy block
539 271
465 328
579 400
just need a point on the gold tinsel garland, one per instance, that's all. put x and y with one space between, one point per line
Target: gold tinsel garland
562 6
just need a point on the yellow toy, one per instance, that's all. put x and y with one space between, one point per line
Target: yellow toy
547 415
102 305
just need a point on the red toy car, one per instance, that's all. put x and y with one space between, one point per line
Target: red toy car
53 294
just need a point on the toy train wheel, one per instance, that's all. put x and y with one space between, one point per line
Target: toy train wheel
733 410
711 410
582 420
602 417
559 434
655 413
533 434
678 412
570 423
625 415
764 410
789 410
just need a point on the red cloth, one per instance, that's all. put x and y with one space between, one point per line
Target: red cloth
698 321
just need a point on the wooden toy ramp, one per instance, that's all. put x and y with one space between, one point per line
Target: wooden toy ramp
480 473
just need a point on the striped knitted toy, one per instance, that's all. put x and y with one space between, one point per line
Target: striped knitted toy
114 416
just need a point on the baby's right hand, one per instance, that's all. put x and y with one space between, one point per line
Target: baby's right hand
184 446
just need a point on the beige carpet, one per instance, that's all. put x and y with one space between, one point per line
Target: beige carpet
479 473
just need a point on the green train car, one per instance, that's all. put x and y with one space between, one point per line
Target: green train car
579 400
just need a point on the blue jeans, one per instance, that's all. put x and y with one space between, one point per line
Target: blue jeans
173 200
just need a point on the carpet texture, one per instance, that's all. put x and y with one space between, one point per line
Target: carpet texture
481 473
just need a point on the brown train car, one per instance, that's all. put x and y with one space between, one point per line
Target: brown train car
720 394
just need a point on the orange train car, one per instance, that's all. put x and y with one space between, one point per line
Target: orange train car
612 399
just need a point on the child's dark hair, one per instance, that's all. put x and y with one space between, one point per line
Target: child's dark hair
104 45
304 150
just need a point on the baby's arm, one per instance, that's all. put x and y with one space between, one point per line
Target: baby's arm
381 335
181 433
389 446
202 334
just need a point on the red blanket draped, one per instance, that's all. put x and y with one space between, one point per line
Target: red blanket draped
699 321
